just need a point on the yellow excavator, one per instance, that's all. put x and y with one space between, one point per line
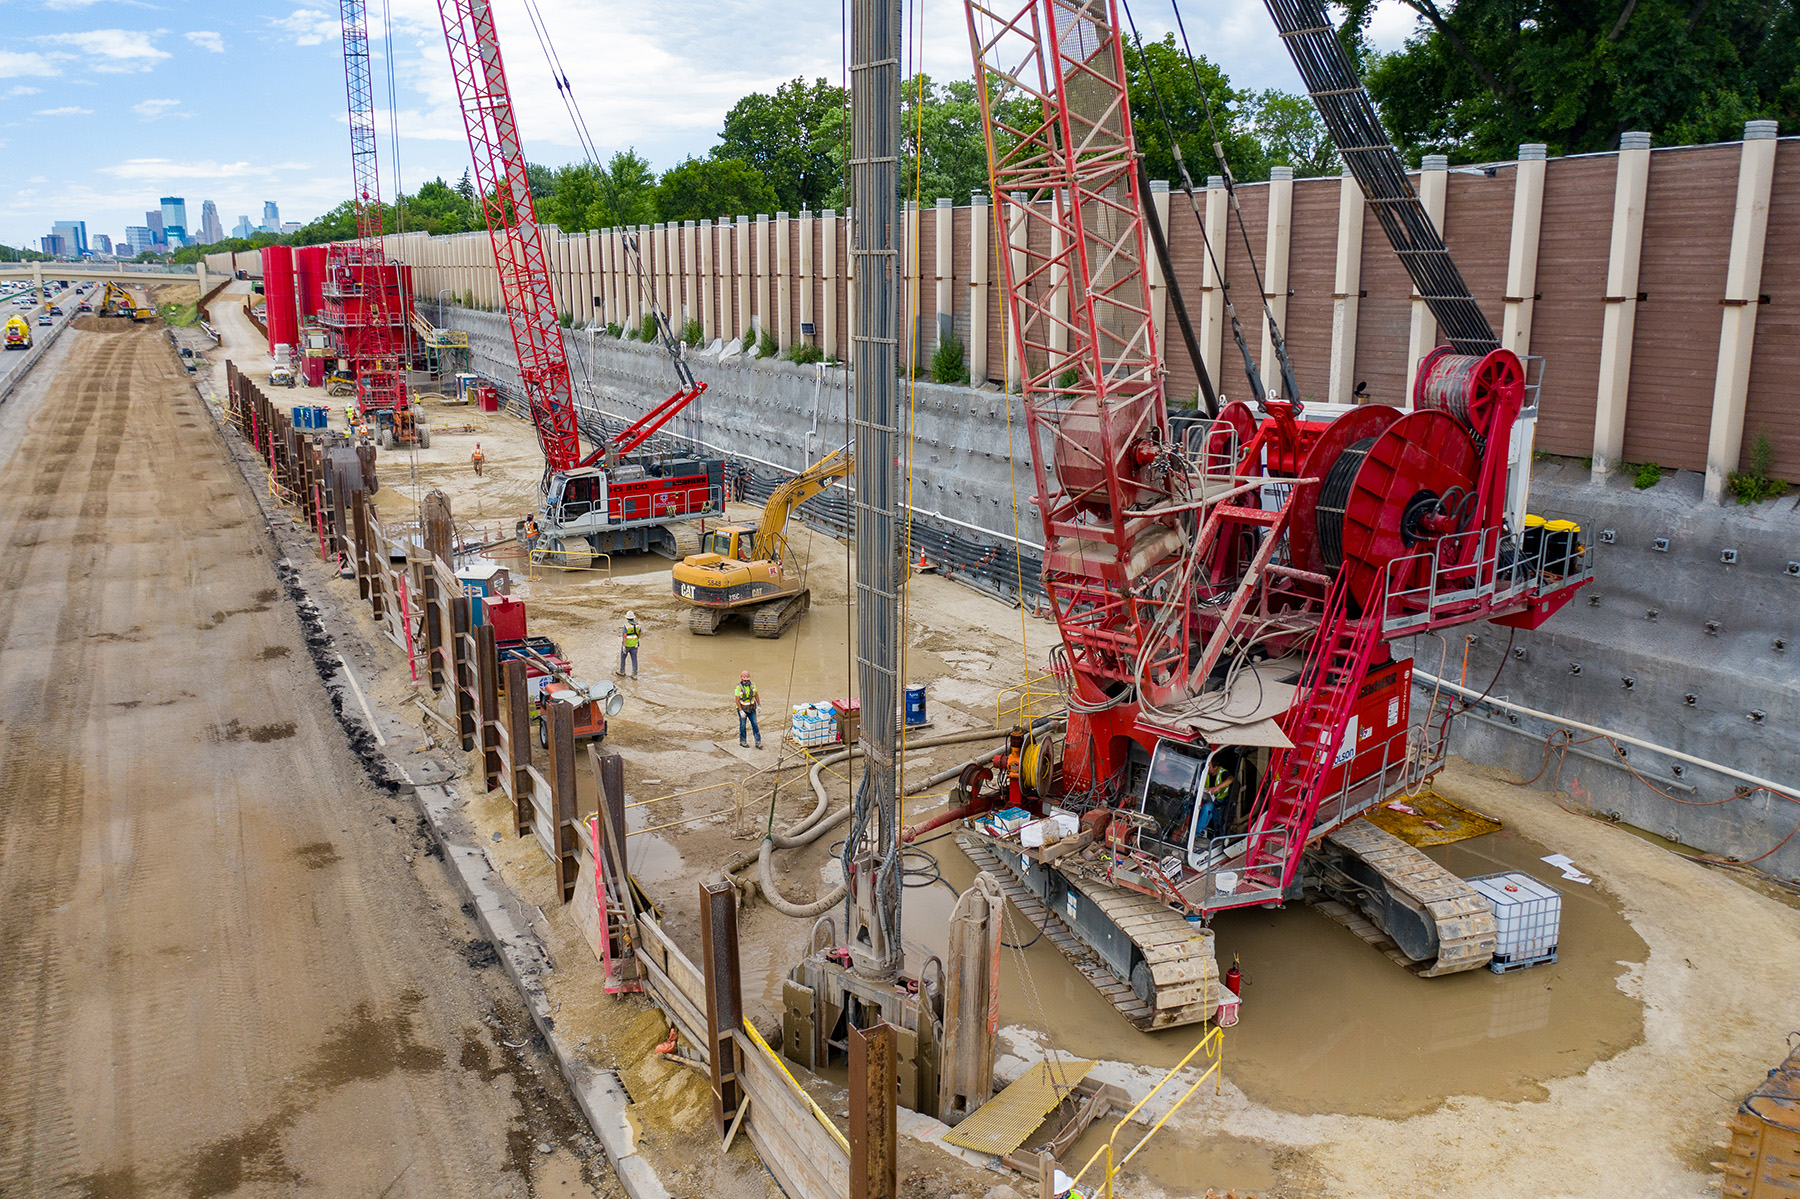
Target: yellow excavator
744 570
116 301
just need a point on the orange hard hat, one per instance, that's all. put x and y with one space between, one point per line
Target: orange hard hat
744 678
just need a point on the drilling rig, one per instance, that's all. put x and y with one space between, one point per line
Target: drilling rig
609 499
1229 598
362 286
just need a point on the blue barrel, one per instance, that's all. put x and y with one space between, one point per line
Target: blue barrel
302 417
915 706
319 420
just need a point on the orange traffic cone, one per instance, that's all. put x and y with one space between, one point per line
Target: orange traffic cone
922 566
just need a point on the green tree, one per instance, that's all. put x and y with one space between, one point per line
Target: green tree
795 138
704 188
541 180
1478 78
1290 132
439 208
1162 72
942 123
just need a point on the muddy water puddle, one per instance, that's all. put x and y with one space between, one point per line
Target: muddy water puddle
1173 1164
1330 1025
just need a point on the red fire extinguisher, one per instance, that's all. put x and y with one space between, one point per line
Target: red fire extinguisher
1234 977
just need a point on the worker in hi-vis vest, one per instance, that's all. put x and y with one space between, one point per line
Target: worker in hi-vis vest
628 643
746 708
477 458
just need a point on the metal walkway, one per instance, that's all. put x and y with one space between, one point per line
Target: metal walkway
1002 1124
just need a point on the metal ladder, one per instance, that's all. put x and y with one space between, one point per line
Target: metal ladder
1349 114
1291 790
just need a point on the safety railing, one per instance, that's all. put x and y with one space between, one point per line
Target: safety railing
566 560
1212 448
1213 1045
1222 883
730 787
1024 702
1481 568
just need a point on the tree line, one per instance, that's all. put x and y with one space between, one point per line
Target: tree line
1474 80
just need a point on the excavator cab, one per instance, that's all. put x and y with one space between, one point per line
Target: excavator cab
730 541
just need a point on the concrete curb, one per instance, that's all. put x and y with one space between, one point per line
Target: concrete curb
499 913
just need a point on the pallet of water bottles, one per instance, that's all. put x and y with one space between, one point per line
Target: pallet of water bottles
813 725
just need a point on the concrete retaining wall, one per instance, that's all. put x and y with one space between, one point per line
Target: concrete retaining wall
783 416
1674 645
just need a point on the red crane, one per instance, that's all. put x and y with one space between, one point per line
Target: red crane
1227 600
359 272
593 497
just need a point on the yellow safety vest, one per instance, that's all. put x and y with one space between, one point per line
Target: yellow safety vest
746 695
631 635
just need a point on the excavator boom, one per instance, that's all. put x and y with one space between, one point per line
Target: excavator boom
796 491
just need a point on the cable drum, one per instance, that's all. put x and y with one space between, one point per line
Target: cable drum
1470 387
1334 498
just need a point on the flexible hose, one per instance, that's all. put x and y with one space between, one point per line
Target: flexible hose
815 825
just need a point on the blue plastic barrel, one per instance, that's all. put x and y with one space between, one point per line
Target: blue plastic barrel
319 420
301 417
915 705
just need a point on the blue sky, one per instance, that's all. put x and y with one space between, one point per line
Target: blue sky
110 104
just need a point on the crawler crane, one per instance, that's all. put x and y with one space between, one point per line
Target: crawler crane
611 498
1228 598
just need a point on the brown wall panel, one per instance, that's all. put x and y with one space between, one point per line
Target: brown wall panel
1478 234
1187 253
1571 279
1383 319
1253 204
1774 403
1675 351
1312 274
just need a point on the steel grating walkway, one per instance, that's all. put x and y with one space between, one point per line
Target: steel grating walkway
1001 1125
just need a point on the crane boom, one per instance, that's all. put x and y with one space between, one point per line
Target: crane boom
504 192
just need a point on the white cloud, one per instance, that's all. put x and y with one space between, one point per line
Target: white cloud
68 110
309 26
206 39
156 108
114 51
14 63
160 169
23 90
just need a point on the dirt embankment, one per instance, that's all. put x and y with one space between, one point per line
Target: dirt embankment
227 965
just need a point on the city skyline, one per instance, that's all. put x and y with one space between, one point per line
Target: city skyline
165 228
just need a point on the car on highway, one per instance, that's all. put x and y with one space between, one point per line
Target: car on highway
56 310
44 320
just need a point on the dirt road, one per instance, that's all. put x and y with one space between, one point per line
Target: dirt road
228 965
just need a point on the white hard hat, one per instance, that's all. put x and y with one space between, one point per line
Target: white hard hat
630 615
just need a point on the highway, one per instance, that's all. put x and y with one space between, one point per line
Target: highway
65 298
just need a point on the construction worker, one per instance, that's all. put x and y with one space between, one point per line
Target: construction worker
477 458
628 644
350 415
746 708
